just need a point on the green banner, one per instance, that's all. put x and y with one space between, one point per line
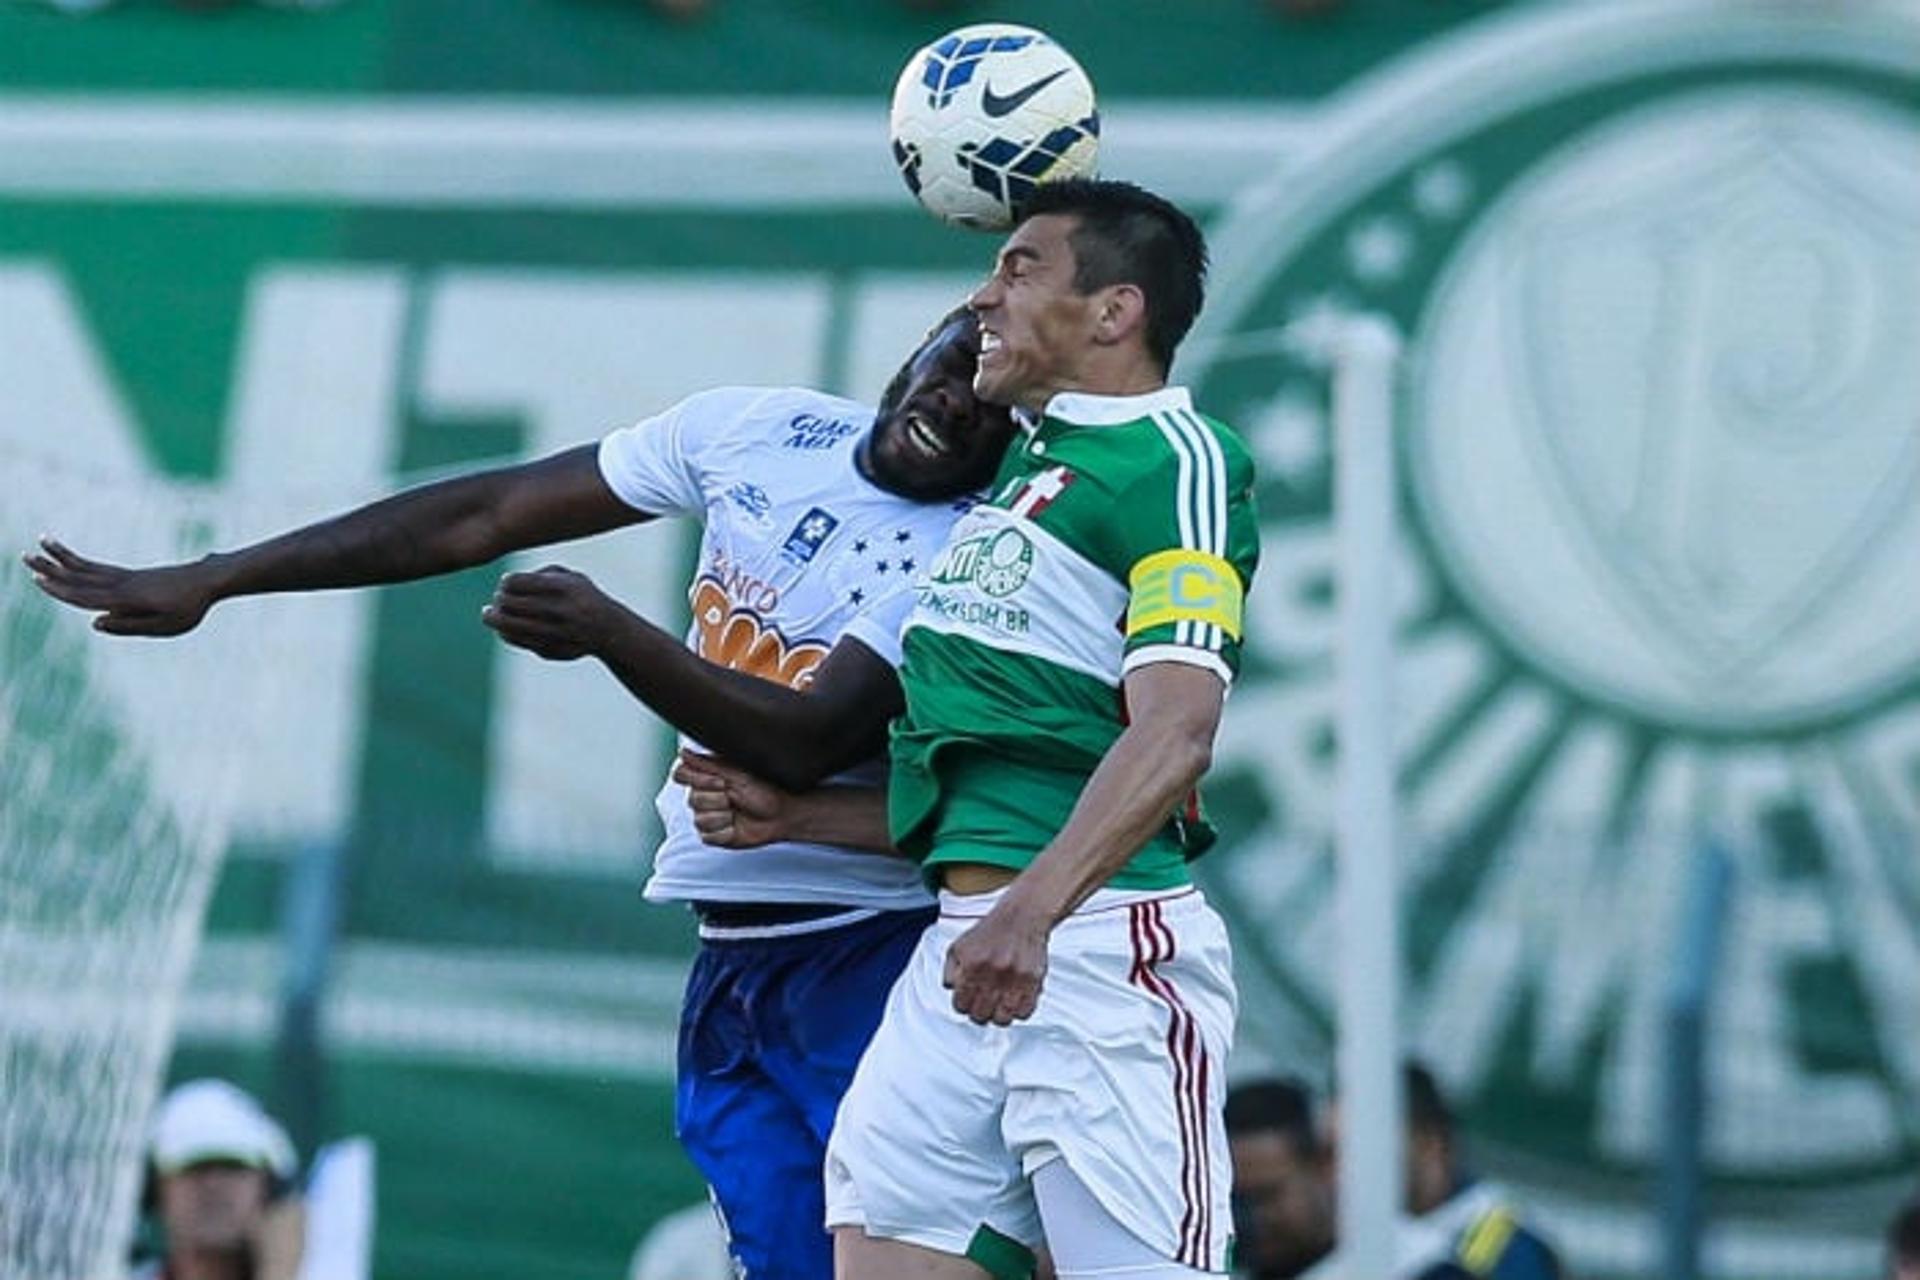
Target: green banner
1659 531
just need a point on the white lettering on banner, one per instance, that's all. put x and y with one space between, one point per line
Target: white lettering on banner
1787 930
314 396
310 428
60 397
572 763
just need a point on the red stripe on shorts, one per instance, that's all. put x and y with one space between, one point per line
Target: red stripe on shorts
1153 943
1194 1053
1196 1102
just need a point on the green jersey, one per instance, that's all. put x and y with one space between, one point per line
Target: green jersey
1120 532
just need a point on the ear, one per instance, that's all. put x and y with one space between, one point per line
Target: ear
1119 314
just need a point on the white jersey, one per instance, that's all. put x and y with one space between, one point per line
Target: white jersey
799 550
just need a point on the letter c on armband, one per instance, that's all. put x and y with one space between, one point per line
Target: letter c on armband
1182 585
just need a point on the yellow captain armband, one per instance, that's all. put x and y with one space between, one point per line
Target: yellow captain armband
1184 586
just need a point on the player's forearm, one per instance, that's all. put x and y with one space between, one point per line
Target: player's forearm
769 729
434 529
1149 769
845 817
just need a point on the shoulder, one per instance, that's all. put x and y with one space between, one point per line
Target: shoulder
1187 446
1239 458
1497 1243
1213 443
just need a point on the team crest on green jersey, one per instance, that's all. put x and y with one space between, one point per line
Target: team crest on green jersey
997 562
1660 528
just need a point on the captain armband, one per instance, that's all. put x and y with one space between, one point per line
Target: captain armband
1182 585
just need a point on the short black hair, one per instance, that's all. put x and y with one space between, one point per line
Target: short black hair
1427 1107
1281 1104
1128 235
1903 1235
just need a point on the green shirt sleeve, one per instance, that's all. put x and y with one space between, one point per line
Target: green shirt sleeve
1187 541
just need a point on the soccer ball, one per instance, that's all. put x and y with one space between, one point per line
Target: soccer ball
983 114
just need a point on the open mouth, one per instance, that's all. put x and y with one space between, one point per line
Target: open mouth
989 343
925 438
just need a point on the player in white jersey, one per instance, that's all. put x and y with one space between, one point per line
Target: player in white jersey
1052 1059
817 512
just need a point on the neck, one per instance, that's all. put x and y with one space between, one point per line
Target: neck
863 463
1133 377
209 1264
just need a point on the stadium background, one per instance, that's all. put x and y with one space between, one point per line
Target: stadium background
255 263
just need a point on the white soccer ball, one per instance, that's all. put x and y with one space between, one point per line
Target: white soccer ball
985 113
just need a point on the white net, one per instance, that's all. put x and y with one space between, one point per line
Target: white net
105 873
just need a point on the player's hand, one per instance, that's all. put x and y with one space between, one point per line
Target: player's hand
166 601
731 808
554 612
995 968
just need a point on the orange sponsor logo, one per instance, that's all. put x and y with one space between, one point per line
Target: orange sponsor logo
736 637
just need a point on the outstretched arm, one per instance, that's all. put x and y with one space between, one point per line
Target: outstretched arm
793 737
434 529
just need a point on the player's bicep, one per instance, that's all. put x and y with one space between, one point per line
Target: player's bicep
1182 697
472 519
561 497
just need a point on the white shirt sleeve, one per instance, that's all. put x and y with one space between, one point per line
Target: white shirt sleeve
878 625
657 465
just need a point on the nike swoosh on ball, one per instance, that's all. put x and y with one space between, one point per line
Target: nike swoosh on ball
995 105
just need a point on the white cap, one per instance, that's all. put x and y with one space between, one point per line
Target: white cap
205 1120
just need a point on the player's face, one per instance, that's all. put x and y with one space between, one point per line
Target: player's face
213 1205
1281 1205
935 439
1035 326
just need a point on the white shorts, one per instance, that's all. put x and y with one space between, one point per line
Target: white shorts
1120 1072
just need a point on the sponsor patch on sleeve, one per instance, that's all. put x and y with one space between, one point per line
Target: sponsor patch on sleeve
1181 585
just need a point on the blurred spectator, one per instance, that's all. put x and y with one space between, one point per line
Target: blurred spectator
219 1182
1903 1242
1460 1227
1282 1213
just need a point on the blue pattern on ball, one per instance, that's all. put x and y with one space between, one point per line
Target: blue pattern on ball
1009 171
951 63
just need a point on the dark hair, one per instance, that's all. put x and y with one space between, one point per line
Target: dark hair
897 386
1128 235
1903 1234
1426 1106
1281 1105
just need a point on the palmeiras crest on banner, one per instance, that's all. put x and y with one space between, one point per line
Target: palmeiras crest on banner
1660 436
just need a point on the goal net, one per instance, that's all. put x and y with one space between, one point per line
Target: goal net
105 871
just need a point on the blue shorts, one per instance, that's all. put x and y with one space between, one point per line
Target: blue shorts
770 1034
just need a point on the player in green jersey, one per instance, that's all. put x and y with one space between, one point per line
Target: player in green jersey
1051 1062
